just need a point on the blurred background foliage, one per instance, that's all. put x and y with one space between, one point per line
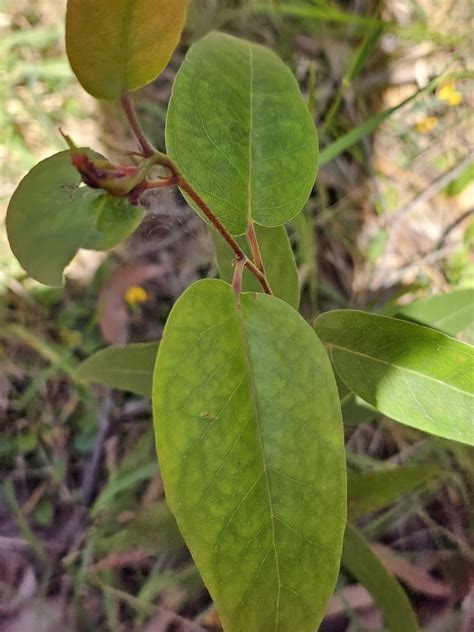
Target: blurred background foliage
86 539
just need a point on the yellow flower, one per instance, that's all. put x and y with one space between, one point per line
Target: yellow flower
449 94
427 124
135 295
71 337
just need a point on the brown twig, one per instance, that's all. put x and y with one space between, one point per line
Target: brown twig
161 184
146 146
237 276
435 187
255 247
177 178
219 226
447 231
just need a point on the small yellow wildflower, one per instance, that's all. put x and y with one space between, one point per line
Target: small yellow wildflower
136 295
71 337
449 94
427 124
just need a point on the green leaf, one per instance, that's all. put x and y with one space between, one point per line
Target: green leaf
152 529
278 259
413 374
307 11
125 367
50 217
355 411
241 134
365 566
451 312
370 491
458 185
119 45
250 442
120 483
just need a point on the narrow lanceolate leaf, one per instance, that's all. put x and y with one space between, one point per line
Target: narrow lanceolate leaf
451 312
125 367
115 46
364 565
278 259
240 132
413 374
50 217
249 438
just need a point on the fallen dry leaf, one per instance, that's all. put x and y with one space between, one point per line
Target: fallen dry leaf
113 312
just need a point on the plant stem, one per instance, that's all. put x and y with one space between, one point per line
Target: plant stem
254 247
176 178
219 226
160 184
237 277
130 113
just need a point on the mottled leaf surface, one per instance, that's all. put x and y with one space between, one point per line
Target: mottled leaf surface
365 566
240 132
249 437
125 367
451 312
278 259
413 374
50 217
115 46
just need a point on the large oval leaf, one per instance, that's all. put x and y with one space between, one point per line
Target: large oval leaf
119 45
364 565
278 259
413 374
250 442
125 367
240 132
50 217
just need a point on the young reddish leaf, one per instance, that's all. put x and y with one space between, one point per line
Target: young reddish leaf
250 443
278 259
240 132
50 217
115 46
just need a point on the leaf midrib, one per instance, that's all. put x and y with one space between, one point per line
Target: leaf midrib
453 315
256 407
250 172
123 44
331 346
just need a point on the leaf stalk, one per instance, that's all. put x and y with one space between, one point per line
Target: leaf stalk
176 178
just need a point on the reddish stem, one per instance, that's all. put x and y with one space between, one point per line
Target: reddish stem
254 247
160 184
219 226
237 276
176 178
146 146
